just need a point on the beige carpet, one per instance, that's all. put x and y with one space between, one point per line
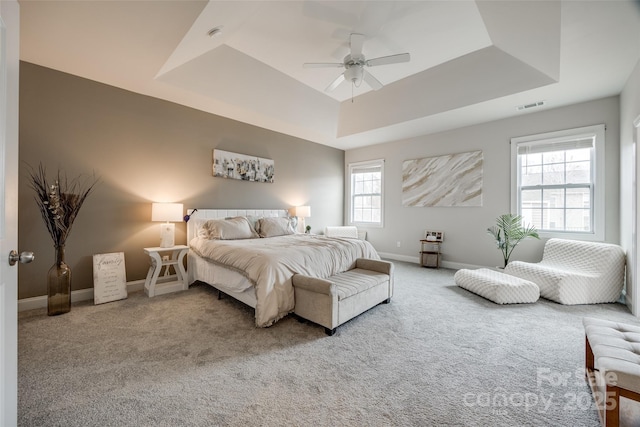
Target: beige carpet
437 355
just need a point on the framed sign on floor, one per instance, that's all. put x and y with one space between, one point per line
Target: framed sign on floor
109 277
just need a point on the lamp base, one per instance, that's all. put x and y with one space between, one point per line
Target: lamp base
167 235
301 225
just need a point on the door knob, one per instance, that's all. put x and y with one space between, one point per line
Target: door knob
24 257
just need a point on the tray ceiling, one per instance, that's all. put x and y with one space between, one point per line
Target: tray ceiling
471 61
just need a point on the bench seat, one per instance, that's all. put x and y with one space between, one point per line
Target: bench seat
337 299
612 364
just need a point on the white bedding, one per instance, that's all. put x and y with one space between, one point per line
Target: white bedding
269 263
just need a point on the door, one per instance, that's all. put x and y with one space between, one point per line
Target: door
9 63
632 258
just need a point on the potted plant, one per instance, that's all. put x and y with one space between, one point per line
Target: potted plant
508 232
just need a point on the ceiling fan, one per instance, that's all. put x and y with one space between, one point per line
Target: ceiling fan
354 64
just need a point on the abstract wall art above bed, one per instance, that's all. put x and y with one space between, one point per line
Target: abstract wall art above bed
451 180
241 166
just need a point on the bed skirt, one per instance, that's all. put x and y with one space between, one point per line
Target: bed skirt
228 281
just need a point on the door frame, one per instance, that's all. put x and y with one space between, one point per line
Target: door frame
10 16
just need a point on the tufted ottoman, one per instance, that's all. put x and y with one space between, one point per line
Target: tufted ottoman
497 287
612 363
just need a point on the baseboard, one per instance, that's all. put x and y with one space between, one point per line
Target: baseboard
416 260
460 265
76 296
397 257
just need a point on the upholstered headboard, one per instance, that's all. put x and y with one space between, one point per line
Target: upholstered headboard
202 215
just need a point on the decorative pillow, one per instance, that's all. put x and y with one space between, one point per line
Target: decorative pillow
227 229
253 221
271 227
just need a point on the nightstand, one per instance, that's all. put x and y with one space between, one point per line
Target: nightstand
430 253
155 284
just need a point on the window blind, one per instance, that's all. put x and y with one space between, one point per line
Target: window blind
534 147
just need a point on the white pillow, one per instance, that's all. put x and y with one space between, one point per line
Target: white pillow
227 229
277 226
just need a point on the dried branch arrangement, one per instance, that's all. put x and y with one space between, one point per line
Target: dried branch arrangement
59 201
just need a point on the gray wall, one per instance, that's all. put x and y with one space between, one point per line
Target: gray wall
147 150
466 242
629 111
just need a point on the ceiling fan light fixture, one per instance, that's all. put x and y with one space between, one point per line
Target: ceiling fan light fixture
354 75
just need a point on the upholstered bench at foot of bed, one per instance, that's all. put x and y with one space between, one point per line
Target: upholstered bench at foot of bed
612 367
497 287
333 301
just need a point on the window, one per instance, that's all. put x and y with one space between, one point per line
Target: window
365 198
559 182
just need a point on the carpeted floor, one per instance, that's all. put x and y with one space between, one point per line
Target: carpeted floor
437 355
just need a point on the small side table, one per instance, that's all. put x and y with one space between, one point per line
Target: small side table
159 285
430 253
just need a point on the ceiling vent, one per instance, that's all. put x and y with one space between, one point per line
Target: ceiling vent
532 105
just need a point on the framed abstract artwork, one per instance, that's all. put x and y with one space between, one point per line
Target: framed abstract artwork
451 180
243 167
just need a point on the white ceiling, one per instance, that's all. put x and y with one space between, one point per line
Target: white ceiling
471 61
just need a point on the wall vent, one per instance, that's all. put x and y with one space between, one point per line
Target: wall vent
532 105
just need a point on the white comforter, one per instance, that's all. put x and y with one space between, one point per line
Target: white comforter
270 263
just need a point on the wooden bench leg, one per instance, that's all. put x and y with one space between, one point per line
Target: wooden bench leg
589 362
611 403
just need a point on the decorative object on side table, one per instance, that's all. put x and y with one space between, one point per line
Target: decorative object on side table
59 203
508 232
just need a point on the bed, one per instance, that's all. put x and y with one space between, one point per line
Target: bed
258 270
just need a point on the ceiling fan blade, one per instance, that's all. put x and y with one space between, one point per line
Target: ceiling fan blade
391 59
371 81
357 40
322 65
335 83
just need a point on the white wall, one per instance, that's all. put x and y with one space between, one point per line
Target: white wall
466 241
629 111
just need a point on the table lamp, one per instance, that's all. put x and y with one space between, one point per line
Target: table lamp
302 212
168 213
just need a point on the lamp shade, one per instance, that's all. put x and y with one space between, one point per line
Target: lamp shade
170 212
303 211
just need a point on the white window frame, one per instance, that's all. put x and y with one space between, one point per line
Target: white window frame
597 177
373 164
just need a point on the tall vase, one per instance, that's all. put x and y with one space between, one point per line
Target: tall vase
59 285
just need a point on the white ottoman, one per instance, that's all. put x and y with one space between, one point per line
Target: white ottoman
497 287
612 363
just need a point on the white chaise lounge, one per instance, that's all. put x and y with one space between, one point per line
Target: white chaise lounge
575 272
